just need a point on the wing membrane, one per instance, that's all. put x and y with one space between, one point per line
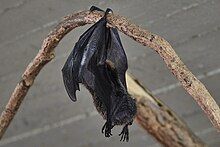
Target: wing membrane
78 59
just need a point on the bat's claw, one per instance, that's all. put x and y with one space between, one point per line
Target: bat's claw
108 11
107 129
93 8
124 134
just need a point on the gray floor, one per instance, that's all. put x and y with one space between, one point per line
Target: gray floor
47 117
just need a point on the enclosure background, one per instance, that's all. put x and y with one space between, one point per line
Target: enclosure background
48 117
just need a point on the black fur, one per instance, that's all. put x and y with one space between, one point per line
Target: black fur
99 62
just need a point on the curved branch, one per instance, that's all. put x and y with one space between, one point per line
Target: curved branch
189 82
70 22
45 54
159 120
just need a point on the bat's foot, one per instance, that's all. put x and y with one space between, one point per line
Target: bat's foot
124 133
107 129
108 11
93 8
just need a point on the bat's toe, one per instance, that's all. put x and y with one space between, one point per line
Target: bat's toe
93 8
107 129
124 134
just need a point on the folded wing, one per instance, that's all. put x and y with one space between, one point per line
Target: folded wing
77 62
116 55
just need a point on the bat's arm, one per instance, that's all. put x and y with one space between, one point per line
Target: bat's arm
116 82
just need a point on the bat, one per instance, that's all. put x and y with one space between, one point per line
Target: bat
98 61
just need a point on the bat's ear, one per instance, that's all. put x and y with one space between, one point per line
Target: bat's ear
93 8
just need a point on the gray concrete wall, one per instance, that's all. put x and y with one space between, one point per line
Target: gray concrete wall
48 117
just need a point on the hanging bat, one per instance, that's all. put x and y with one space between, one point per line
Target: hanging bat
99 62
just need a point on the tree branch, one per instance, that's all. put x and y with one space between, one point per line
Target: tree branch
46 54
189 82
159 120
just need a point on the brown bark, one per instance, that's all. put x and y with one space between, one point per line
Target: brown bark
45 55
159 120
189 82
70 22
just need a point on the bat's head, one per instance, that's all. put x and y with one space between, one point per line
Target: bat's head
125 111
